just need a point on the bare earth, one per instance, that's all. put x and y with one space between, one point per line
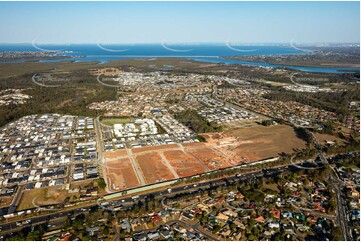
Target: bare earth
184 164
153 168
210 158
221 150
121 173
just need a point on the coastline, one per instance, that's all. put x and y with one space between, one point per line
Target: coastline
257 59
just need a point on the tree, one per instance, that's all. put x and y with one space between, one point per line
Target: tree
251 237
101 183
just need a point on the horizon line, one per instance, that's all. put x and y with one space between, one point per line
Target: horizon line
181 43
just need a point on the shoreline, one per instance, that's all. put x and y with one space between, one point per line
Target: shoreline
311 65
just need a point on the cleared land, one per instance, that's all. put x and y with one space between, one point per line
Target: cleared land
257 142
264 142
154 148
115 154
229 148
192 145
184 164
153 168
121 175
212 159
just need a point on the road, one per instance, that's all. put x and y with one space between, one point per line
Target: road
128 201
16 199
342 216
101 160
196 158
170 167
136 167
293 81
99 139
196 227
312 211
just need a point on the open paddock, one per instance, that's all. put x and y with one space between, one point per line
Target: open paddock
42 197
323 138
257 142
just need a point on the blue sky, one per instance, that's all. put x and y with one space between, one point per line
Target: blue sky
179 22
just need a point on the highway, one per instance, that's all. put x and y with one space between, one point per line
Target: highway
18 196
342 216
128 201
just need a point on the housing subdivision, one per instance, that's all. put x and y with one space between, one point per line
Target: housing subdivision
47 150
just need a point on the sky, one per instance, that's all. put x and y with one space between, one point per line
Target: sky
179 22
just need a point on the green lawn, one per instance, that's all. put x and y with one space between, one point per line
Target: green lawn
112 121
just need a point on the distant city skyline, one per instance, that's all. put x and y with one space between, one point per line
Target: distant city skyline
179 22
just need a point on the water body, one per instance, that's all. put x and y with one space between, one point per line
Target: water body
203 52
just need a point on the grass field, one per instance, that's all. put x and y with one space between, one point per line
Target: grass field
267 141
42 196
321 138
6 201
112 121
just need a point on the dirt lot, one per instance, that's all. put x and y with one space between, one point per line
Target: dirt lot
221 150
192 145
115 154
153 168
154 148
212 159
184 164
121 174
255 143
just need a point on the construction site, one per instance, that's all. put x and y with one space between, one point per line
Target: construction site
130 168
